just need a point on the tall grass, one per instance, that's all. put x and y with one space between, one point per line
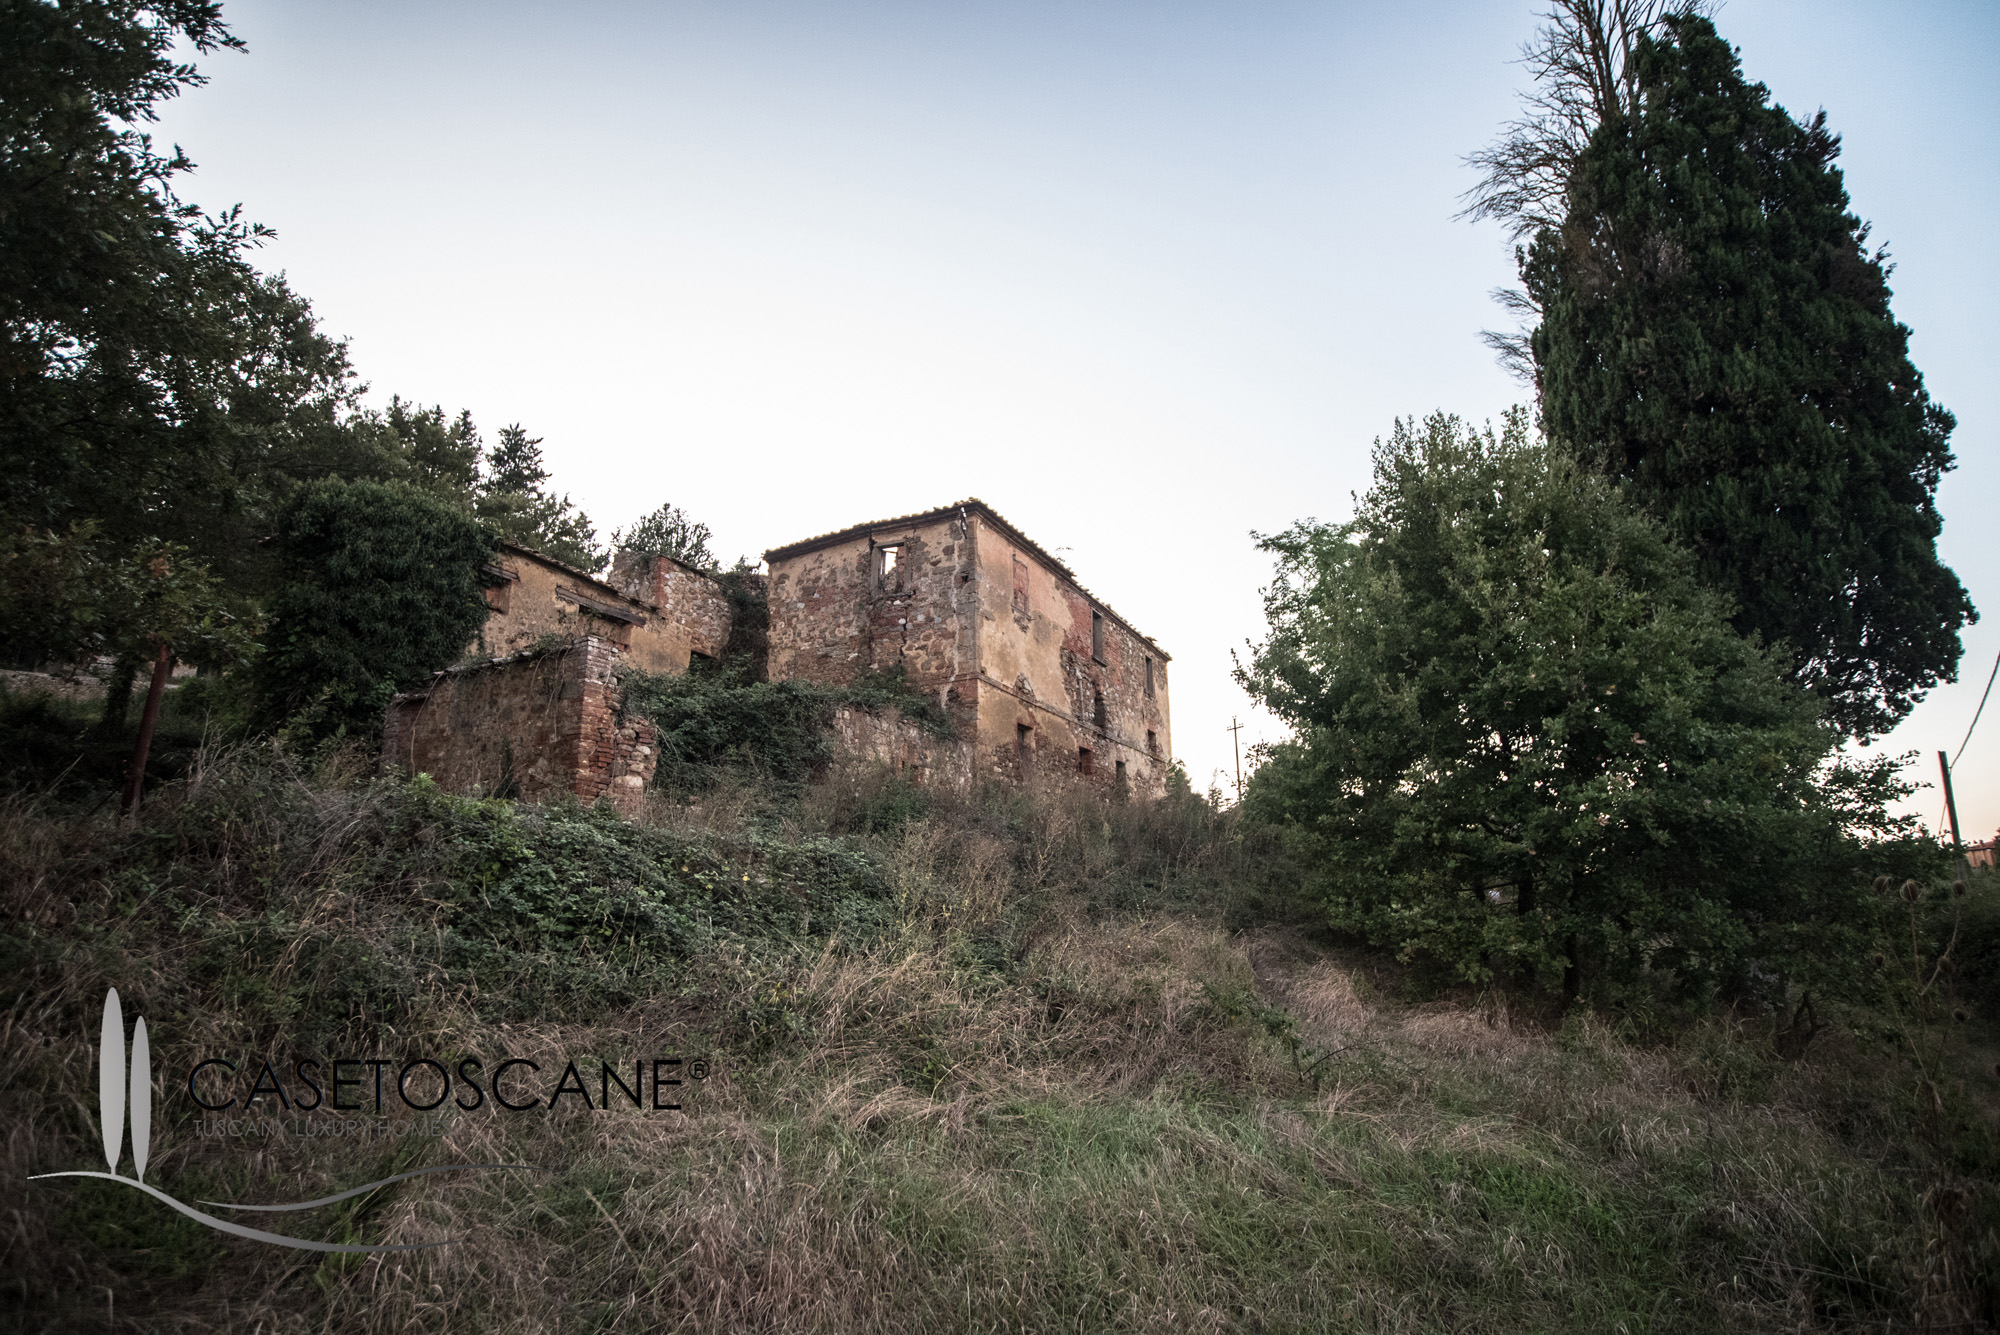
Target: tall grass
1018 1061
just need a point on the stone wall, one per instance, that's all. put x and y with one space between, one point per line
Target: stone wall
529 726
1062 674
1038 674
691 606
896 597
655 610
886 737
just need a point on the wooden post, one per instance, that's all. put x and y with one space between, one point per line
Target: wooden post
1236 732
135 777
1950 807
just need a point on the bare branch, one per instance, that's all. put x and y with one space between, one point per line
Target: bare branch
1581 62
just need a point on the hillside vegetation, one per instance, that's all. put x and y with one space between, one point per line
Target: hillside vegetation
1019 1060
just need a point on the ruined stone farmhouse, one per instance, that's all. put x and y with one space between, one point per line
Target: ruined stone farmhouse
1039 673
1036 673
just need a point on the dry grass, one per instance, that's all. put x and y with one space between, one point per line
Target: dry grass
1020 1108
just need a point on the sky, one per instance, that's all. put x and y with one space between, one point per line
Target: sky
1147 278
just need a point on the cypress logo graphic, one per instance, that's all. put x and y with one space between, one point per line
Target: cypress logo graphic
115 1076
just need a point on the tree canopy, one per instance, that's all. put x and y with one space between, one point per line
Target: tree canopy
381 587
514 500
668 531
152 383
1506 681
1715 331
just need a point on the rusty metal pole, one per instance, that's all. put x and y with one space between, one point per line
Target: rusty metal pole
1950 807
135 777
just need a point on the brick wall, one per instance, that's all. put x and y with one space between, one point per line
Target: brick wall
530 726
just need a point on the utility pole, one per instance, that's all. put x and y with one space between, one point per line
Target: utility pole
1237 730
1950 807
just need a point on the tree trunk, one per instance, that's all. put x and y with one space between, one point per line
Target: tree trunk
135 777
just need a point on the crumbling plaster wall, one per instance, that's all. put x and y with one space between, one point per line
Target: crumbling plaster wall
834 615
1036 649
530 726
672 614
691 609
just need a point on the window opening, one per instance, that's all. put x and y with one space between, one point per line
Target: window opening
1024 738
1097 636
1121 774
1149 679
1020 586
1097 714
1152 741
889 567
1083 762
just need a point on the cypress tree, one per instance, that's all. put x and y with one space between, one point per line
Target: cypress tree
1715 331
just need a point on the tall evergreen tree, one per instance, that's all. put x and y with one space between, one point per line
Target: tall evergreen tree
1715 331
515 462
513 499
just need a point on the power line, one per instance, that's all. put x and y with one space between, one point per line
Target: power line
1977 712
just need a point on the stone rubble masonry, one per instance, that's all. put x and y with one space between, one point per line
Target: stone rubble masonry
657 611
692 608
885 737
998 630
1036 674
530 726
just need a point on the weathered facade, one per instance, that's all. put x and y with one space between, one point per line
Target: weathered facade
533 725
1039 674
658 612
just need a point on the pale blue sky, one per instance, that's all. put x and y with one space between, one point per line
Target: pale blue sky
1144 277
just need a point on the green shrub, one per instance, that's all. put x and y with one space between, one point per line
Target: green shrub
714 723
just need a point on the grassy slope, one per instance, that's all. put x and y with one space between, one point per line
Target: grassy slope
1027 1064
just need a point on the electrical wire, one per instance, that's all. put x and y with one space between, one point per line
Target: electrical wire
1977 712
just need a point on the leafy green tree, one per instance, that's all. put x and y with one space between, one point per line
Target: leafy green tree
382 587
668 531
1505 681
441 455
513 499
1715 331
148 375
154 388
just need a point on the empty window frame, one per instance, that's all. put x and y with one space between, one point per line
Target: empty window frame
889 568
1097 636
1024 739
1097 711
1084 762
1152 742
1149 679
1121 774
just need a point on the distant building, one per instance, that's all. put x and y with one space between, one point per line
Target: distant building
1037 674
1040 674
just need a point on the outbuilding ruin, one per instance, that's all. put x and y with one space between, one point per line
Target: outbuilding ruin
1037 674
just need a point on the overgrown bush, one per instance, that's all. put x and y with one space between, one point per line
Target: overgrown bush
714 722
1529 743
